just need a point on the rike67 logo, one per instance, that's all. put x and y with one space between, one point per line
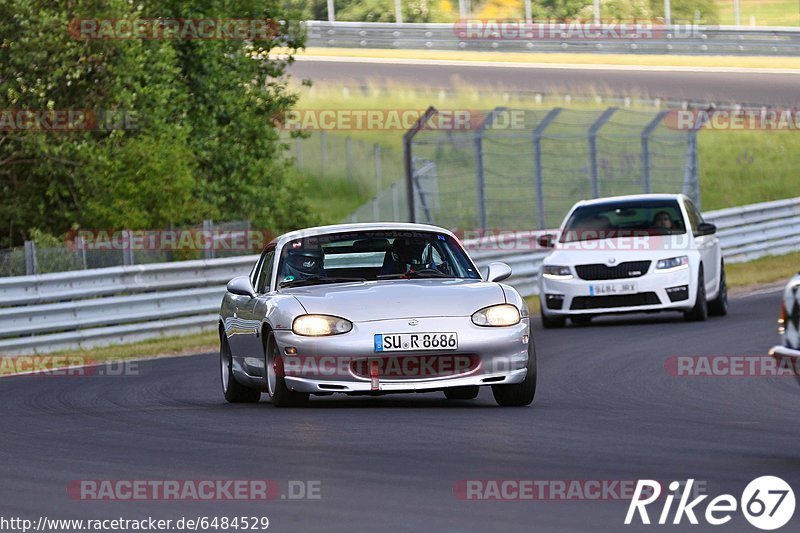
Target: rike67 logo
767 503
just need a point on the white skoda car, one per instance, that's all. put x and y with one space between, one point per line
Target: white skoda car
626 254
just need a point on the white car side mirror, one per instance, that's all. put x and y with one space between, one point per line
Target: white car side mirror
498 271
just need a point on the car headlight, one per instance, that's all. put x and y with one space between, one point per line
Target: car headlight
319 325
672 264
556 272
497 315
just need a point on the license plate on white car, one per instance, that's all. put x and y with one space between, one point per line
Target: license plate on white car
407 342
612 289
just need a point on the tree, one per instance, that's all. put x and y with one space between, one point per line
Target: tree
204 143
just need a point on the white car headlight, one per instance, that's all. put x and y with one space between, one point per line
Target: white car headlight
497 315
556 272
319 325
672 264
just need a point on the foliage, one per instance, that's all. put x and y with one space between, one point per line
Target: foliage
199 140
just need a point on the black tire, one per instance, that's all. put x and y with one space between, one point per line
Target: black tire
553 322
521 394
234 391
719 305
462 393
581 320
700 310
282 396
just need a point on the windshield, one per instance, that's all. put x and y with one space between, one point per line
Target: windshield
372 255
624 219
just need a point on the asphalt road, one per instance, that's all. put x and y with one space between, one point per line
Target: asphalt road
744 87
606 409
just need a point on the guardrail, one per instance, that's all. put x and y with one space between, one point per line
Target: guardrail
67 310
672 39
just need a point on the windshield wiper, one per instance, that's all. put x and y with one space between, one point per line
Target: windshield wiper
316 280
427 273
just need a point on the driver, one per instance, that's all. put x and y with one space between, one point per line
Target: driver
663 220
303 263
405 255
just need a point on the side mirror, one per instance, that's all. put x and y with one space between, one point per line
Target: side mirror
241 286
705 228
498 271
547 240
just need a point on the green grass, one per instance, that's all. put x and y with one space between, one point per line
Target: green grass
159 347
761 12
764 270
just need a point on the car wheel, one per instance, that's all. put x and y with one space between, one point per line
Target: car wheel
581 320
553 322
462 393
719 305
282 396
520 394
700 310
234 391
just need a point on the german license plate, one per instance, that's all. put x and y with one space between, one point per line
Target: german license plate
409 342
612 289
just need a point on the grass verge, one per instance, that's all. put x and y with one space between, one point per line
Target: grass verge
750 62
762 271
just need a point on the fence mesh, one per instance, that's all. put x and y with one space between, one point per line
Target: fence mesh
526 168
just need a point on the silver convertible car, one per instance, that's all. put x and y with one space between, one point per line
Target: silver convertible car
373 309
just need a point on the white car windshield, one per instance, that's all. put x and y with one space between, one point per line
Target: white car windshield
373 255
624 219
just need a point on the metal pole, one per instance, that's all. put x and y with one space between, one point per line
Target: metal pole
408 160
462 9
323 146
736 19
395 203
528 12
349 156
593 130
208 233
80 244
537 161
398 11
378 168
667 13
596 9
480 181
30 258
298 148
646 132
376 214
331 13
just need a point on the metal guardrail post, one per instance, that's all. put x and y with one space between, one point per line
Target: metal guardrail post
480 181
537 163
408 159
593 130
691 176
646 132
80 246
376 210
127 248
30 258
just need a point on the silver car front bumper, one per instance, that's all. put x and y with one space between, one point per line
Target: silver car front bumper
501 352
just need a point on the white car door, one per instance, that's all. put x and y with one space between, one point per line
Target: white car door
709 248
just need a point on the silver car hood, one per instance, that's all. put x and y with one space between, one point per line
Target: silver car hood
384 300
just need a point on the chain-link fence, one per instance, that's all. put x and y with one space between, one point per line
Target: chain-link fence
526 168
